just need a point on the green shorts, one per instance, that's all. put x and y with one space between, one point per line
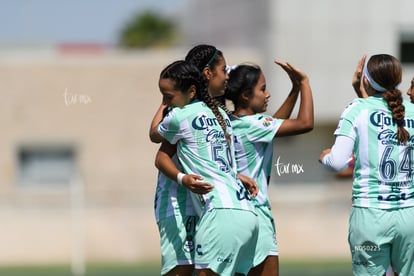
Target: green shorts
266 243
226 241
177 241
378 238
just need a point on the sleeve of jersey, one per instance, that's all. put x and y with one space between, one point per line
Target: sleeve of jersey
345 133
346 125
263 128
169 128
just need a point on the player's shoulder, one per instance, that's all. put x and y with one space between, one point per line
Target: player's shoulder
188 108
353 108
409 106
254 118
264 120
358 104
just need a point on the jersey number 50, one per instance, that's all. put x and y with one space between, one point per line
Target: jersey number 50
224 162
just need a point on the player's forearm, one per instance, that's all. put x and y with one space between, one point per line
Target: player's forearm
164 162
285 110
306 113
153 131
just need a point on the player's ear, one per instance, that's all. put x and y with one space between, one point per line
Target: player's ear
244 98
192 92
207 73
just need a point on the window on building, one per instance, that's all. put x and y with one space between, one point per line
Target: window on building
407 48
45 166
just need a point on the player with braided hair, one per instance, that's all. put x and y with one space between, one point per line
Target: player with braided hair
212 64
379 131
176 219
226 234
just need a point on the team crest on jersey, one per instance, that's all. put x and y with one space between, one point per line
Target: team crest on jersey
188 244
267 121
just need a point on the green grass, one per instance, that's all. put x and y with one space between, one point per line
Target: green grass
316 267
287 268
148 269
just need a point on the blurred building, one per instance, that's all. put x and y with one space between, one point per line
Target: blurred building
77 176
324 38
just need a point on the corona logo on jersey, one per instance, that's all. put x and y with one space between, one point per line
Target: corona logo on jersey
203 122
388 136
382 119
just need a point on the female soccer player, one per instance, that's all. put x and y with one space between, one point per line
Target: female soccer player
379 131
174 212
254 132
227 232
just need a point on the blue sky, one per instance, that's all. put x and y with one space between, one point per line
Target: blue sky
57 21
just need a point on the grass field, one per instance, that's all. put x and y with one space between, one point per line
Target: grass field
287 268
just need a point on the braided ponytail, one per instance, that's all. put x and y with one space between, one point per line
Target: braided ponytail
395 104
203 56
213 105
384 73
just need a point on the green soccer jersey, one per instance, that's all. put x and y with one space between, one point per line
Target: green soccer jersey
383 173
253 142
203 149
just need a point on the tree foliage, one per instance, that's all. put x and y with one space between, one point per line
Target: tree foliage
148 29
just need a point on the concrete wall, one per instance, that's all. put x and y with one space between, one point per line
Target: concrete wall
114 156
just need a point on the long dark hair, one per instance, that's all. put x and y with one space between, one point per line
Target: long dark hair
242 80
203 56
184 75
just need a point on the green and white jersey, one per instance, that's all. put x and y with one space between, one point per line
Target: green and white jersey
253 142
171 199
383 173
203 150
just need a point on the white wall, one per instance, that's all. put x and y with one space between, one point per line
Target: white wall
326 38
